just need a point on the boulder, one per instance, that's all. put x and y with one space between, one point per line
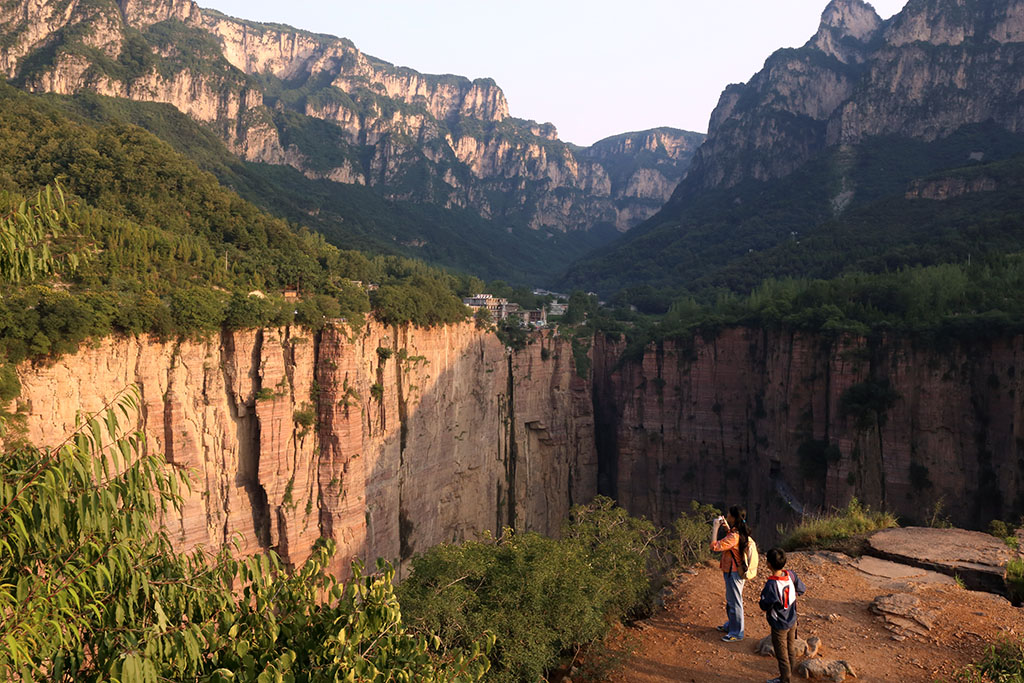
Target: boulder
903 614
825 670
804 648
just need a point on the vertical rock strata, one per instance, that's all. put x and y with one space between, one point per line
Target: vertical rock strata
396 439
783 421
389 441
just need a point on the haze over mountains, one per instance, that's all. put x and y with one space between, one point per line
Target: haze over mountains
819 163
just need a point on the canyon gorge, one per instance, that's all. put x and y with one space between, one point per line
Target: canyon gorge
395 438
316 103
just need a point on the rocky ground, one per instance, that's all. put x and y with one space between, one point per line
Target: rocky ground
931 629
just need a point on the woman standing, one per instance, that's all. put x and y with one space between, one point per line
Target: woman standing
732 547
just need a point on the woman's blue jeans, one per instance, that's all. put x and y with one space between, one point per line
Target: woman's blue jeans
734 603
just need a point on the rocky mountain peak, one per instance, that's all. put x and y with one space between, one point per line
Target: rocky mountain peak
143 13
852 17
952 22
846 25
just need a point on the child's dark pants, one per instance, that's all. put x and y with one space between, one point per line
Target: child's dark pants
785 652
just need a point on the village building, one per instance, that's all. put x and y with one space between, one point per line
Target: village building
557 308
496 306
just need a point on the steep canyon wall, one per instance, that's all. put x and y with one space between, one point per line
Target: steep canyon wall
389 441
786 422
396 439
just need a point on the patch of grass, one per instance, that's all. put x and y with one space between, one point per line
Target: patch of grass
837 529
1003 662
1015 580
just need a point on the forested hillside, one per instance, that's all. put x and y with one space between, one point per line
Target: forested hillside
731 239
352 216
160 246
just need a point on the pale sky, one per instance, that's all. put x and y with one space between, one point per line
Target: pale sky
594 69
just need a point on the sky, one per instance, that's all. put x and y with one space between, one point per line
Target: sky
594 69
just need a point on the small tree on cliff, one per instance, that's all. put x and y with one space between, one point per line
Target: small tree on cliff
91 590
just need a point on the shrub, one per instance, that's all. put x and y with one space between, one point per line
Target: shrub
482 319
1015 580
919 476
580 356
815 456
825 530
245 311
10 387
304 417
541 597
197 309
868 402
691 533
314 312
619 549
96 593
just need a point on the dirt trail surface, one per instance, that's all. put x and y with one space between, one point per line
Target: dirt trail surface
946 627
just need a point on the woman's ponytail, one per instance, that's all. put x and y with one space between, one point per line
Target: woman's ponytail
740 515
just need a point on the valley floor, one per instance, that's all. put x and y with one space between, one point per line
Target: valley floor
680 643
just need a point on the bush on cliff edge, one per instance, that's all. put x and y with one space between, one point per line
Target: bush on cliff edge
542 598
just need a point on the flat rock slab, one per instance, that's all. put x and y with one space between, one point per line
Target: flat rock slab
978 559
884 569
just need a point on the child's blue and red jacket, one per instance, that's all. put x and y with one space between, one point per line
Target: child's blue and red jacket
778 599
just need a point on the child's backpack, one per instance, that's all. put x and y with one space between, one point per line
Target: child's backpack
749 560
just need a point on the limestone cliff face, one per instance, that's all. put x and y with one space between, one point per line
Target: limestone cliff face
948 188
442 139
932 68
396 439
389 441
771 420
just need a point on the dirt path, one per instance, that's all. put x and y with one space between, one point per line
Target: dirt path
680 643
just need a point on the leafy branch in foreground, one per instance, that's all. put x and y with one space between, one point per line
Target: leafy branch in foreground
25 233
91 590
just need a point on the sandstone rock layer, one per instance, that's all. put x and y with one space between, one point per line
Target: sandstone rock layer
389 441
771 419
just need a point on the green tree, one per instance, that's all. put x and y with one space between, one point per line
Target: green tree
90 589
580 307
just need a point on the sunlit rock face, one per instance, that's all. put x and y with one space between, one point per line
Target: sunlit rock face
389 441
441 139
932 68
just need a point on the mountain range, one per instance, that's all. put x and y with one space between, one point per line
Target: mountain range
876 145
275 95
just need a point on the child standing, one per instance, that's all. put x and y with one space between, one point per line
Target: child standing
778 600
